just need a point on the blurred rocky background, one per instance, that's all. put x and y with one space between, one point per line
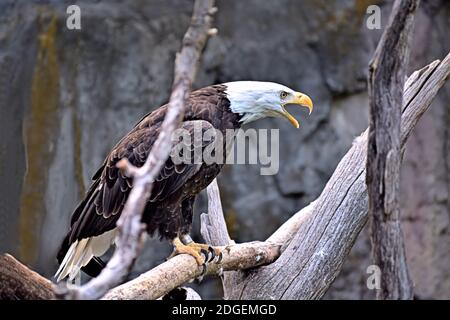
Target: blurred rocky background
66 96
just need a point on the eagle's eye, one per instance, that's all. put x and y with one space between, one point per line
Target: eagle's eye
283 94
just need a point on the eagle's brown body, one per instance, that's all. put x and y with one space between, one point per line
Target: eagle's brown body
170 208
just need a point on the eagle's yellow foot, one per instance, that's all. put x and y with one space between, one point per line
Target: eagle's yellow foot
199 251
207 251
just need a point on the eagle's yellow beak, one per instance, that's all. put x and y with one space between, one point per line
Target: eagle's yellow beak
300 99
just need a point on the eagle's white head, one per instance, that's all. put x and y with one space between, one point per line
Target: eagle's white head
254 100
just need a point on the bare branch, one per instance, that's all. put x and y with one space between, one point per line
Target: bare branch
182 268
130 229
386 82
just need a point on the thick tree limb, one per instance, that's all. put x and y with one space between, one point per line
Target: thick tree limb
183 268
17 282
130 229
386 82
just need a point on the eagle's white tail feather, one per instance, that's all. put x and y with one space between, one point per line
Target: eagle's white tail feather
76 262
63 264
81 252
72 256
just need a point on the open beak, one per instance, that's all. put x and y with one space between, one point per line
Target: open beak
300 99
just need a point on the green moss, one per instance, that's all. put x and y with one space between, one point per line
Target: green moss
41 126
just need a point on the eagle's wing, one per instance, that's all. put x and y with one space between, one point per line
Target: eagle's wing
99 211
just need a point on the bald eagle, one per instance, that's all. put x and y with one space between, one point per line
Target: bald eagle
169 210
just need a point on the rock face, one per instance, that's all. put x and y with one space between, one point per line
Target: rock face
66 96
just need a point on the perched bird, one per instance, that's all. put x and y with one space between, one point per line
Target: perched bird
169 210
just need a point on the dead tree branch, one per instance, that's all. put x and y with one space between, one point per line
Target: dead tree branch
130 228
17 282
386 82
183 268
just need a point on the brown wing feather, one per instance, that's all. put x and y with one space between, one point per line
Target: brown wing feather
101 208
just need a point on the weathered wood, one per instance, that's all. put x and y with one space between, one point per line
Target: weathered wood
213 227
182 268
130 229
214 231
17 282
314 257
386 82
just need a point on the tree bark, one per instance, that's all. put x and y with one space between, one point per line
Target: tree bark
387 72
17 282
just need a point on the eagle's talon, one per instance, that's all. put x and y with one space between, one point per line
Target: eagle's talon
213 253
202 253
220 257
204 270
205 255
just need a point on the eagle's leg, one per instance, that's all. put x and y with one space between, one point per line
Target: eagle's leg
202 253
205 249
199 251
179 247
